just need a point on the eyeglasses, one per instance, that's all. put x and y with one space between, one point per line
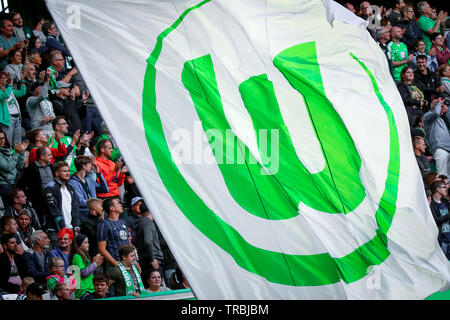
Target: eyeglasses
60 266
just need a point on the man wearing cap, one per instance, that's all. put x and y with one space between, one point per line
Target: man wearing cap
12 265
132 215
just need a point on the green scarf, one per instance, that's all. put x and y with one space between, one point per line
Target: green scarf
129 284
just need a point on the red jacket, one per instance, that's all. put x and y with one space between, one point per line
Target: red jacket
114 179
56 153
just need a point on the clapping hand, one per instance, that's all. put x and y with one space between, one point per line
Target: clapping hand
21 146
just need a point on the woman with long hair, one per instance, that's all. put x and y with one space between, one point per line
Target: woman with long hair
154 282
412 96
14 68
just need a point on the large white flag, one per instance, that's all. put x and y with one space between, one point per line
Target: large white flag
269 140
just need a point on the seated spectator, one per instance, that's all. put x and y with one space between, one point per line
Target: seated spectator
147 242
35 291
84 181
57 275
19 203
442 52
154 282
89 226
101 288
62 291
444 75
126 277
438 135
87 267
411 94
12 265
33 180
420 146
11 163
14 68
9 107
8 41
25 229
427 80
112 232
23 288
114 173
439 208
432 63
62 202
38 259
65 247
40 108
8 226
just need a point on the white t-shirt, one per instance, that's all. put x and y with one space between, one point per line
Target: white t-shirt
66 207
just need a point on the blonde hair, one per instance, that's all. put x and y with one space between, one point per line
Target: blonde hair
91 203
26 282
53 263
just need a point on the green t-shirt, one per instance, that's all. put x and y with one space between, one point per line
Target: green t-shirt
70 159
86 284
398 52
425 24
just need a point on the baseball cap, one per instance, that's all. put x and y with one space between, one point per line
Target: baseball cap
135 200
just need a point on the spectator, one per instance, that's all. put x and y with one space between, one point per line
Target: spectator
396 15
30 82
66 104
383 37
409 24
38 139
59 74
399 52
412 96
8 226
23 288
11 164
62 291
131 190
444 75
21 32
20 203
40 108
126 277
37 46
51 32
439 208
442 52
350 7
89 226
8 41
82 259
147 242
114 173
36 60
63 251
112 232
427 25
115 155
38 21
84 181
427 80
133 215
432 63
154 283
169 264
101 288
25 229
9 107
62 202
12 265
33 180
35 291
420 146
438 135
14 68
38 259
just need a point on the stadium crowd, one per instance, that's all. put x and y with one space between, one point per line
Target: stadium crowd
73 224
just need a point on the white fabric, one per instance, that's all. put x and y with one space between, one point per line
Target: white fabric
66 207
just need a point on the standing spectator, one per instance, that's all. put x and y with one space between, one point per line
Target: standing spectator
84 181
147 242
40 108
412 96
66 104
133 215
383 37
112 232
36 60
38 259
442 52
33 180
89 226
8 226
432 63
11 164
131 190
396 15
20 202
82 259
51 32
438 135
114 173
10 120
169 264
439 208
57 63
12 265
101 288
427 25
62 202
8 41
420 146
427 80
126 277
38 139
409 24
21 32
37 46
38 21
64 249
115 154
30 82
14 68
444 75
399 52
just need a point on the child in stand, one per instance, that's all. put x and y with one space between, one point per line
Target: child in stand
56 268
